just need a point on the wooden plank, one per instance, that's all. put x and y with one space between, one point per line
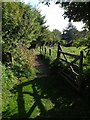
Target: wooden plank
81 62
75 65
72 84
69 63
71 67
71 79
45 50
69 54
80 69
64 60
50 52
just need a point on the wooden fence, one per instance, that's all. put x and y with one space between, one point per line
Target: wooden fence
74 71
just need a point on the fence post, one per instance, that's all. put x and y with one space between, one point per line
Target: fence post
50 52
58 51
40 50
45 50
81 71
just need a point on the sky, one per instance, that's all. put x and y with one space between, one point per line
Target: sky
53 15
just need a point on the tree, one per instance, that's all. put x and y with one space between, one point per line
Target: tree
21 24
82 39
69 33
56 35
52 37
76 11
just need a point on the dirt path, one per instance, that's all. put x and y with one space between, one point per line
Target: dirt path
41 67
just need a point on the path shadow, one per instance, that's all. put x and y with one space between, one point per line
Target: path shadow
67 104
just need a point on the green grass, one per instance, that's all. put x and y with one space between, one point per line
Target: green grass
40 97
12 75
21 99
71 50
33 97
10 99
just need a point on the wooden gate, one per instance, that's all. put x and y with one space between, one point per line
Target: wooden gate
73 68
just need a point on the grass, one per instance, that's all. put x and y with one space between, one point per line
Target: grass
71 50
42 97
33 97
20 98
22 70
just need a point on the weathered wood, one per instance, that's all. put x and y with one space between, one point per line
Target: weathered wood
50 52
65 57
58 51
80 70
69 54
70 82
58 54
45 50
71 79
70 65
81 62
70 62
74 71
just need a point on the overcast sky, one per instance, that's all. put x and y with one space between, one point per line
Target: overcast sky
53 15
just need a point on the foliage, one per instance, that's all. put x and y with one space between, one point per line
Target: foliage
76 11
8 81
53 37
24 63
69 33
19 72
9 99
56 35
21 24
83 41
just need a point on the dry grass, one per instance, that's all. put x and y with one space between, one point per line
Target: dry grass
28 56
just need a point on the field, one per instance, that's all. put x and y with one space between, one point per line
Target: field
71 50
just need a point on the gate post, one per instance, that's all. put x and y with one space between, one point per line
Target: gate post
45 50
58 51
50 52
81 71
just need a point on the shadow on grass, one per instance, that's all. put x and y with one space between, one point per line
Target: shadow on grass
53 97
66 102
